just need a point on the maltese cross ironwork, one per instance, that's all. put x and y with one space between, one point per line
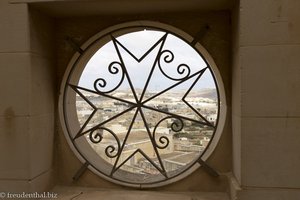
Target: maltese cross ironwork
140 103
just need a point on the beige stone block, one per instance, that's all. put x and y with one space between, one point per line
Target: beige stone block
26 146
270 152
269 22
14 148
41 142
294 22
42 98
14 35
293 81
270 81
14 87
269 194
40 184
14 186
43 183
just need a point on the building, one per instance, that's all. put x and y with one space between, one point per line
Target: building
254 43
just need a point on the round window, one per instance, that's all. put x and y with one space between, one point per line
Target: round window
141 104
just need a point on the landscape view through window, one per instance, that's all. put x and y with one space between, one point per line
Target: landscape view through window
147 103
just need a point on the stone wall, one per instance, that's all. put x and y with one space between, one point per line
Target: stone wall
266 99
27 100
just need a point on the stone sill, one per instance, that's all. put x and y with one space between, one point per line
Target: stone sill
81 193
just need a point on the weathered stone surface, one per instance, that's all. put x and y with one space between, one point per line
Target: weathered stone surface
65 193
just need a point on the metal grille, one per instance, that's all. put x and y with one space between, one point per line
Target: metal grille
137 108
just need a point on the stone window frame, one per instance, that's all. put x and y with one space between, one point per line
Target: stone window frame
90 47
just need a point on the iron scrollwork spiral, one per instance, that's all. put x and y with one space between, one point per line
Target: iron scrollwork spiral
176 126
113 68
183 70
96 136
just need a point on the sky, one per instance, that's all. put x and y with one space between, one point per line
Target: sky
138 43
